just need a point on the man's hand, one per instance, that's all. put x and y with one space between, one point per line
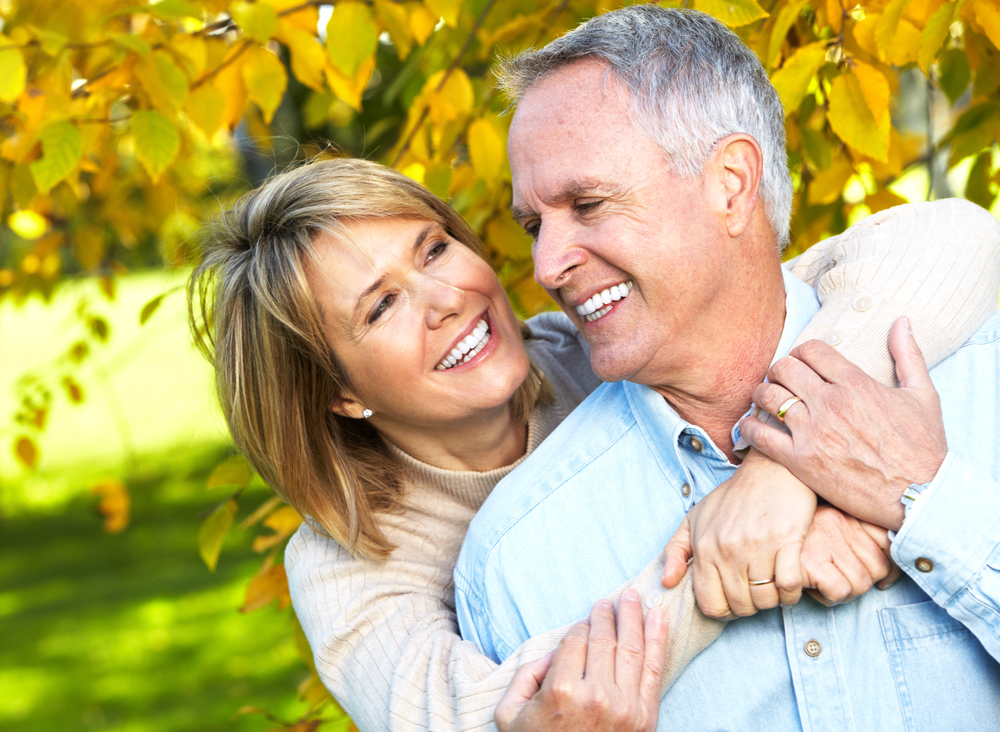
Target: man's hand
752 527
842 557
595 680
855 442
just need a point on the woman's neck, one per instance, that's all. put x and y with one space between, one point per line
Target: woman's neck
490 441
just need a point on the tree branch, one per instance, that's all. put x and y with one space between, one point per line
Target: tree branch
211 74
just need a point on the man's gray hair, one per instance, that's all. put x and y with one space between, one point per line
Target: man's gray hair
691 81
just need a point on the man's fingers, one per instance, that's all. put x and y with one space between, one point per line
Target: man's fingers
777 400
629 657
527 681
570 658
823 362
830 584
676 555
652 667
709 593
911 369
788 574
602 643
890 579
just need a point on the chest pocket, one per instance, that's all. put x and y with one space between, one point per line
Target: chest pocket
944 677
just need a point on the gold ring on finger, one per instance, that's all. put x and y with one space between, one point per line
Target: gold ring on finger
757 583
785 406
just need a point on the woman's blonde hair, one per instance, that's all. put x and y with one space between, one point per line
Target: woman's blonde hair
252 314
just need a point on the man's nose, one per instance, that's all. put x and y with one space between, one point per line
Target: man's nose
556 254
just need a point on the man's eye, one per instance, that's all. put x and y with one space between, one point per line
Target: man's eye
588 205
381 308
437 250
531 228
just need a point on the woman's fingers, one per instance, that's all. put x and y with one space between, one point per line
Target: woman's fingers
570 658
602 643
655 636
630 651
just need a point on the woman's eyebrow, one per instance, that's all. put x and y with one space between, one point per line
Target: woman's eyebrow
380 282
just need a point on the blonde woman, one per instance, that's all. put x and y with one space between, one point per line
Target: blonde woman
371 368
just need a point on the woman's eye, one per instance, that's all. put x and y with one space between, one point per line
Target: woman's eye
437 250
381 308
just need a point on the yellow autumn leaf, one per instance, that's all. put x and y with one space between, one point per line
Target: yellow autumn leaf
988 17
230 82
206 107
422 23
397 22
786 19
486 150
286 520
875 88
934 35
792 80
835 14
733 13
505 236
349 89
905 45
883 199
156 141
853 121
299 15
265 78
268 585
864 34
62 148
309 60
165 83
13 72
827 185
351 36
888 23
447 10
258 20
115 505
454 99
193 53
213 532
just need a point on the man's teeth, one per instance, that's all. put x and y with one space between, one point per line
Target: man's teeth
600 304
468 347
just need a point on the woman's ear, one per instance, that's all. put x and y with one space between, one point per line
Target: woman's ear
346 406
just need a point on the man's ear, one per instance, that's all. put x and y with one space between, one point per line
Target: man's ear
347 406
740 163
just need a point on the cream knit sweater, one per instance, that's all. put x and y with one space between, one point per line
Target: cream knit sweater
384 635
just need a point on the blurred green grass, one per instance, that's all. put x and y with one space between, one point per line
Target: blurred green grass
129 631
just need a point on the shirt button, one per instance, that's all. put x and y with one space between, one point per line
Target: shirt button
813 648
653 599
696 444
862 303
833 337
924 564
686 489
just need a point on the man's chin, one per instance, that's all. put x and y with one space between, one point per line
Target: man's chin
609 368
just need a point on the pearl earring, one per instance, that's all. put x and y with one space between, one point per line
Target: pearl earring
367 413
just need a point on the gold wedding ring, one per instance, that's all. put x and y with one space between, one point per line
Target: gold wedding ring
785 406
757 583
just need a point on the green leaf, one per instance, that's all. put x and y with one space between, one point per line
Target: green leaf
150 308
792 80
156 141
954 75
974 131
397 22
166 84
62 150
13 72
99 327
265 78
351 36
258 20
934 34
853 121
51 42
233 471
213 532
733 13
172 9
131 42
977 189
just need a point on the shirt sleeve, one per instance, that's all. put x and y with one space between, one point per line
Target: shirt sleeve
950 547
385 638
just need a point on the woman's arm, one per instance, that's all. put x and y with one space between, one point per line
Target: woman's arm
386 644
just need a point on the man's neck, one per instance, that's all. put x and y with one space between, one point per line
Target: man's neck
717 388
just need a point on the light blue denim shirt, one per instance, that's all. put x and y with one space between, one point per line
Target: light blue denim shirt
605 492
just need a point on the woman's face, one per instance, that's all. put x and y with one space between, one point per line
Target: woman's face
421 325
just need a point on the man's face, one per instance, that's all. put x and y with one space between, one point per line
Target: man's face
607 216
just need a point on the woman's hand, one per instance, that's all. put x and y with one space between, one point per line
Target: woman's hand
844 556
596 679
752 527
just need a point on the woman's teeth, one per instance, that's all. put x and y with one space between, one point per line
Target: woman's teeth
600 304
468 347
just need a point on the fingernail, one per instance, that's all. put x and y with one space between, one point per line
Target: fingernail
630 595
882 585
659 615
604 603
909 328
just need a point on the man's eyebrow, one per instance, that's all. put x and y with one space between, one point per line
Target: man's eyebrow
578 188
380 282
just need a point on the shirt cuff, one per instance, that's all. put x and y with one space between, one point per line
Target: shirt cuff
952 531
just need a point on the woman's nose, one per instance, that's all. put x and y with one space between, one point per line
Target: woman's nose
443 300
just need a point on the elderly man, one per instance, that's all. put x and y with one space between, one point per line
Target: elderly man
647 154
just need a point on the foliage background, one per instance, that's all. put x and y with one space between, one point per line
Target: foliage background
124 126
